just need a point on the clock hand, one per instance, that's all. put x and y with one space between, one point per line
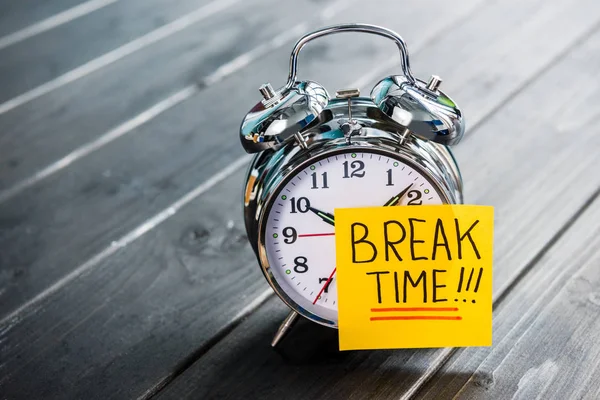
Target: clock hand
391 202
326 217
325 285
396 199
330 219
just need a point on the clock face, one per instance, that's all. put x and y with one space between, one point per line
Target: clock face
299 242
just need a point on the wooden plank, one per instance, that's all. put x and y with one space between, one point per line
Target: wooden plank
509 163
16 15
152 306
549 351
110 205
546 339
107 179
47 128
142 316
32 328
83 39
84 191
496 55
113 190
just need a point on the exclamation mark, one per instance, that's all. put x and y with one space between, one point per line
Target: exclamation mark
460 281
468 286
478 280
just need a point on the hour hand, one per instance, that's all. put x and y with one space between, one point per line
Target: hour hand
396 199
326 217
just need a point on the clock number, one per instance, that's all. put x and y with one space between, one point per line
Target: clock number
302 205
315 184
290 235
321 280
417 195
357 169
300 264
389 174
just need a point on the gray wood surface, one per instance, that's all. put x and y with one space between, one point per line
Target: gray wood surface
106 292
170 267
546 342
77 42
521 199
73 115
141 315
17 15
545 345
118 187
114 189
42 344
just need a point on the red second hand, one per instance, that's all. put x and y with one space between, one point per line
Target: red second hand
325 285
315 234
333 273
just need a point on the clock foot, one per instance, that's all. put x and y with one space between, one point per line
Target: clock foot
284 327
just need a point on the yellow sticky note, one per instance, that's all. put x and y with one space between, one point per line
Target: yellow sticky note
414 276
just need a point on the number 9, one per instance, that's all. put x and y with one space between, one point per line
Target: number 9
290 235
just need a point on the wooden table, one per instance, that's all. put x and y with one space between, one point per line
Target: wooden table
125 270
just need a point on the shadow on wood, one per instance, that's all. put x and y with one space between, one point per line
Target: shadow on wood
306 364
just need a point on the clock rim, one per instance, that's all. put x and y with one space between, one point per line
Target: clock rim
290 172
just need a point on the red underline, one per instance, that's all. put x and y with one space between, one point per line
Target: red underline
316 234
412 317
415 309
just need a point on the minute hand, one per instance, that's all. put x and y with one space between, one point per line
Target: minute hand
394 200
330 219
326 217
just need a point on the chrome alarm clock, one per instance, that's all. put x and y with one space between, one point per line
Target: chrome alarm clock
315 153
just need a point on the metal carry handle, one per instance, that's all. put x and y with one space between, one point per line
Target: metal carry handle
366 28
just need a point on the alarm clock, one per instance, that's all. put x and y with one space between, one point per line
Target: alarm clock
316 153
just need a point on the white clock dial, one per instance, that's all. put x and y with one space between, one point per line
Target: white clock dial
298 230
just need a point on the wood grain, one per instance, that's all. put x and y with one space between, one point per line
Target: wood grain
49 127
15 15
140 318
41 58
136 317
111 179
143 315
117 188
546 342
507 162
